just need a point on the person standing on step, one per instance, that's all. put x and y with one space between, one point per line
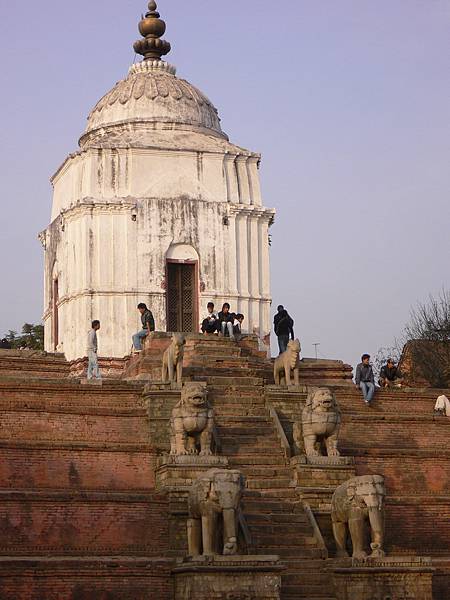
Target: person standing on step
364 378
93 371
148 325
209 324
283 325
226 320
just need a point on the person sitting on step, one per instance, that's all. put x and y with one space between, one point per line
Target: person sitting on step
237 326
364 378
210 323
390 375
225 323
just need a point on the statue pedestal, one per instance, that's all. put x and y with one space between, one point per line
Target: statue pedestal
177 473
399 578
316 478
228 578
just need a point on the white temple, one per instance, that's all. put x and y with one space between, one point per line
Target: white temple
156 206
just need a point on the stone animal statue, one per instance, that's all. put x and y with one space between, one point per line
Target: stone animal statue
172 367
321 419
214 511
356 502
192 422
285 363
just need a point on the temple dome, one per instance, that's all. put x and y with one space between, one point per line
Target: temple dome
152 94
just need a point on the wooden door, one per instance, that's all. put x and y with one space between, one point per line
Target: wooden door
181 297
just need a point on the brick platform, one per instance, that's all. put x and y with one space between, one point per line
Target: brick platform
81 518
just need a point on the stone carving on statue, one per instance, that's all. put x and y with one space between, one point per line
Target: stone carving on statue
192 422
356 503
285 363
319 427
214 513
172 367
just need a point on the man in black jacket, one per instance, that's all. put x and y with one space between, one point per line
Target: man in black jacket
283 326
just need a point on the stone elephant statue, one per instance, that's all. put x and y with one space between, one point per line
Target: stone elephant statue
214 512
359 501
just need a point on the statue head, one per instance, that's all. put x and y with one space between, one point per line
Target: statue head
321 400
194 394
178 339
369 488
294 346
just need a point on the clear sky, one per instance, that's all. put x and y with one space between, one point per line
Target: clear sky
347 100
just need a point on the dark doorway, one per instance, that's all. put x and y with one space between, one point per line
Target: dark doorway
182 297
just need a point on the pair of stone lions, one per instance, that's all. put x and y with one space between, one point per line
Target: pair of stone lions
192 422
321 419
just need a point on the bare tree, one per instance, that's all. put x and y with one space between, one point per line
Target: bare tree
427 335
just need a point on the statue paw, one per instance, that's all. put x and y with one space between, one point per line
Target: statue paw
313 452
230 548
360 555
377 552
334 452
206 453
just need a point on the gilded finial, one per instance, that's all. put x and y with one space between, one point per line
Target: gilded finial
152 28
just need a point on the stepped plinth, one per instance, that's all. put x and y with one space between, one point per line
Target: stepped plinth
250 577
390 577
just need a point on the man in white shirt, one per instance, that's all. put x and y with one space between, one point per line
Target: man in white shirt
92 346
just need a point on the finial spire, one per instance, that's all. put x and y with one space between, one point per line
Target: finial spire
152 28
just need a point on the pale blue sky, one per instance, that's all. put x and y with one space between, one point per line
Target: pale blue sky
348 101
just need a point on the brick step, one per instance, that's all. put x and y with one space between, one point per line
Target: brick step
83 524
289 593
282 494
248 445
248 462
247 431
45 426
283 538
93 577
270 519
269 505
212 350
266 472
239 404
237 411
38 468
285 552
272 483
218 381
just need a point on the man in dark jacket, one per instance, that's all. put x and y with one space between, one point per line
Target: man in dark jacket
390 375
364 378
283 326
148 325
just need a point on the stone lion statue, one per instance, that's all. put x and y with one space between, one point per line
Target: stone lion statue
287 362
172 367
321 419
192 422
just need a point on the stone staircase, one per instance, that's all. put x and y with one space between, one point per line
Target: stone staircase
277 520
